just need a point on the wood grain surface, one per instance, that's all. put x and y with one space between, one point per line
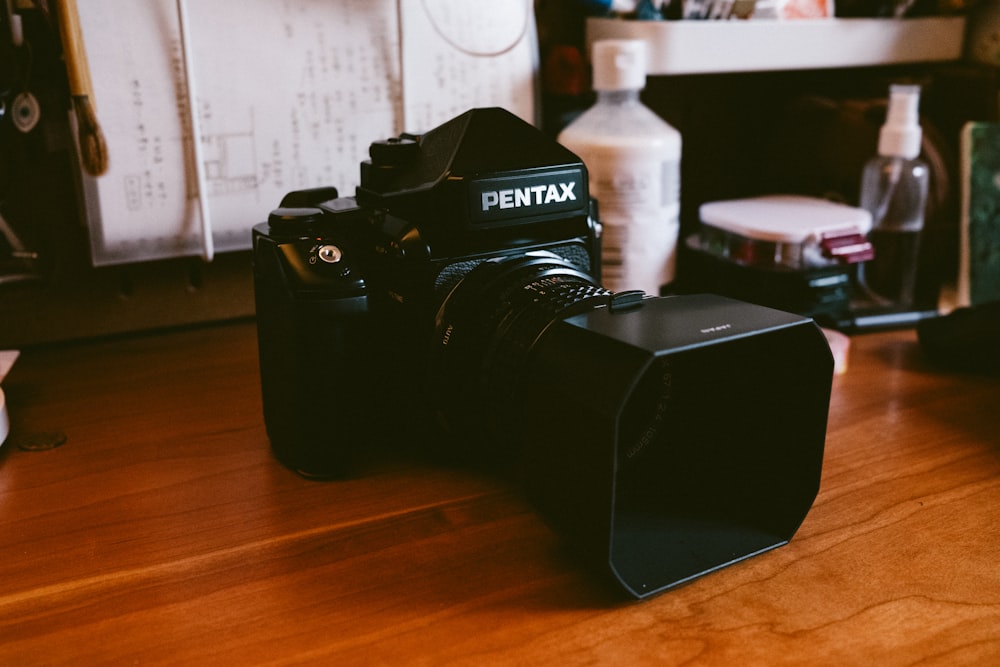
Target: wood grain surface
163 532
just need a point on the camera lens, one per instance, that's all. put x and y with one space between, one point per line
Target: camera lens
486 328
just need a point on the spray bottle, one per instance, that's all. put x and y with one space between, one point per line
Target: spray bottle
633 160
894 188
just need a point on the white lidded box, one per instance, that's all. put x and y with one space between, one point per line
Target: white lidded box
785 231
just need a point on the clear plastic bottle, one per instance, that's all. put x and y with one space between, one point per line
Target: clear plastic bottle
633 159
894 190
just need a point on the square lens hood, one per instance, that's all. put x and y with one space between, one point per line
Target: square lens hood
690 439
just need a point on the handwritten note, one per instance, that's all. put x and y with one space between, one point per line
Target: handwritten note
482 53
288 95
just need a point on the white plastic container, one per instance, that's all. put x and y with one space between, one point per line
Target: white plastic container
633 159
791 232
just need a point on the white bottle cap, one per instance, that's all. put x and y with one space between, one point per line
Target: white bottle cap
900 135
619 64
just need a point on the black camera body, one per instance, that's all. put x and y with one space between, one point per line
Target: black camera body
348 289
454 299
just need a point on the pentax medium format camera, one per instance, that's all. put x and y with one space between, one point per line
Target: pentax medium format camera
453 302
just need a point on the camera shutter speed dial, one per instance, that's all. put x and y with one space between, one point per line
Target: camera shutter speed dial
294 219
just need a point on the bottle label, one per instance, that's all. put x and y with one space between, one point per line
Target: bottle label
639 202
630 184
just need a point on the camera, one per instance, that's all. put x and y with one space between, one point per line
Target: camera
453 300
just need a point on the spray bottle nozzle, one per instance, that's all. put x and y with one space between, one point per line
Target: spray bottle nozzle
900 135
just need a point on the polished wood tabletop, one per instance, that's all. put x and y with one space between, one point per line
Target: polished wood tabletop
143 520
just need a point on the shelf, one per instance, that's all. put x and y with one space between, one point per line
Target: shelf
701 47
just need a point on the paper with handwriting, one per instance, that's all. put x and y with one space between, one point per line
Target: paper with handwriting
288 95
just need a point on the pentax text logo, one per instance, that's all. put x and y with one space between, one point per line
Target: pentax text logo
524 196
535 195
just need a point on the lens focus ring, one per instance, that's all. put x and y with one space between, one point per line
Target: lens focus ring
486 329
542 302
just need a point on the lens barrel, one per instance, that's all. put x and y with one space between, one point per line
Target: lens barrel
484 332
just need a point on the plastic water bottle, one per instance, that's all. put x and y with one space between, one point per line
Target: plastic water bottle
633 159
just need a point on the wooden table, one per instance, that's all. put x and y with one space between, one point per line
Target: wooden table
162 531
